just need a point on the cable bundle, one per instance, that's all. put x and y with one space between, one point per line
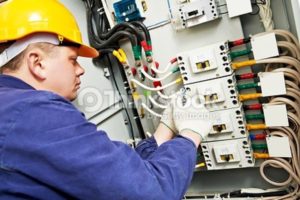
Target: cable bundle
288 63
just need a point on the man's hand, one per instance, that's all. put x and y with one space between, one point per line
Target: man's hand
190 114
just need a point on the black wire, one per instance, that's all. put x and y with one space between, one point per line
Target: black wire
110 68
122 26
116 37
94 41
107 47
144 28
97 42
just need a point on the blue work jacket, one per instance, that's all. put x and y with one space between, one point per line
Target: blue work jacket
48 150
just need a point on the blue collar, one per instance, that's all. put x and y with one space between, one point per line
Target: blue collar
13 82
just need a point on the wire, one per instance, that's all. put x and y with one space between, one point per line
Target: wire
284 60
177 81
247 86
237 65
121 97
289 73
253 107
258 136
265 13
259 146
156 103
246 76
245 97
170 9
160 78
256 126
155 79
261 155
144 28
165 96
122 26
236 54
159 24
171 62
239 42
255 116
200 165
292 48
151 111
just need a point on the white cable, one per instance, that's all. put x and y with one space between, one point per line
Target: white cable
155 79
265 14
157 104
153 67
165 96
148 134
151 88
150 111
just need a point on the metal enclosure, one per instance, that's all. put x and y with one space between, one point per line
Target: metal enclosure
101 103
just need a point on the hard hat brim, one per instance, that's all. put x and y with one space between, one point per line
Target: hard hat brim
86 51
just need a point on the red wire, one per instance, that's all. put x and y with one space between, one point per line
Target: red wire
253 107
246 76
238 42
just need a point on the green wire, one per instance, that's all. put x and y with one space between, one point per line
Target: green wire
147 93
256 116
175 69
247 86
137 52
259 146
236 54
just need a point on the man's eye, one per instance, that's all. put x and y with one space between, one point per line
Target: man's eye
74 61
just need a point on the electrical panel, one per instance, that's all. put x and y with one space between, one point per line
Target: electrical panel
246 77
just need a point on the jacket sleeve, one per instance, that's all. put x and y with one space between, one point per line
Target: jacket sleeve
62 150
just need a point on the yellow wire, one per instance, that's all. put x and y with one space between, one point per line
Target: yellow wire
244 97
118 56
122 54
179 80
200 165
261 155
237 65
256 126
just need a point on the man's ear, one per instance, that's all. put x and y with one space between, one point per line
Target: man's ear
34 60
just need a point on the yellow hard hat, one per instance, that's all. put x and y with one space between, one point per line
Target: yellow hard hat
19 18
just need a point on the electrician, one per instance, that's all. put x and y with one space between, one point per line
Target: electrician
48 150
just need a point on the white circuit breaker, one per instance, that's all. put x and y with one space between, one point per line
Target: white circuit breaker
216 94
228 154
189 14
204 63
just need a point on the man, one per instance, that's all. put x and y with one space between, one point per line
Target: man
48 150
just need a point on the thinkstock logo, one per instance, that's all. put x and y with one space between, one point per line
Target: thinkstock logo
92 99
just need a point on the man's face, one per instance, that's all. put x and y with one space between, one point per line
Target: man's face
63 72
